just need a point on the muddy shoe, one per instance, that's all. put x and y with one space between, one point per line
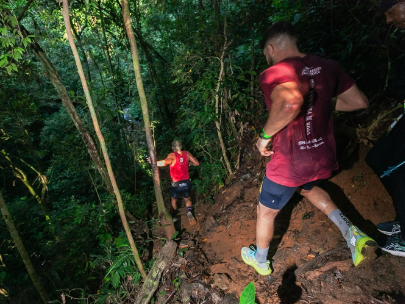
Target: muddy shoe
395 245
248 256
362 247
191 218
389 228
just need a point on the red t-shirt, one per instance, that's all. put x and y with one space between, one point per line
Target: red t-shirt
179 171
305 149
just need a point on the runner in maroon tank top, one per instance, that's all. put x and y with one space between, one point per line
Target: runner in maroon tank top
179 161
298 89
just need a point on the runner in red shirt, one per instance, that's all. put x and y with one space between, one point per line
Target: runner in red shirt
298 90
181 184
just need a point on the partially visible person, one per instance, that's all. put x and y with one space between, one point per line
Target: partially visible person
394 12
298 89
387 157
181 184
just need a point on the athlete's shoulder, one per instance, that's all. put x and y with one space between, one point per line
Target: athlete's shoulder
275 73
171 155
317 60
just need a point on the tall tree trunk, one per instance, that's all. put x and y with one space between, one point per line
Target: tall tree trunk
53 75
163 214
21 250
79 43
65 13
217 99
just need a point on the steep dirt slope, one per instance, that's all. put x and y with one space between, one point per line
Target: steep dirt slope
312 263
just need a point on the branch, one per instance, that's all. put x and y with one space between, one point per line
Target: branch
24 10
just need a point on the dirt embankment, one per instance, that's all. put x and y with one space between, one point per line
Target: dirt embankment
311 261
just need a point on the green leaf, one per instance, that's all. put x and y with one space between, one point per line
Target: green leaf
174 235
115 279
3 62
181 252
248 294
16 56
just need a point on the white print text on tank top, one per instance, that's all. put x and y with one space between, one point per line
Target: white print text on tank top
314 143
310 144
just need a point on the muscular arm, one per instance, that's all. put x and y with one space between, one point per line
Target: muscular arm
192 159
168 160
351 100
287 102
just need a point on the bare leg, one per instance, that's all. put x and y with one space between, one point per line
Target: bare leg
264 233
265 225
188 202
362 247
320 199
190 216
174 203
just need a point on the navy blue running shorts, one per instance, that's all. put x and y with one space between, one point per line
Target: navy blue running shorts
276 196
181 187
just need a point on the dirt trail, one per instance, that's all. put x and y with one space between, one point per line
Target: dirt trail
312 263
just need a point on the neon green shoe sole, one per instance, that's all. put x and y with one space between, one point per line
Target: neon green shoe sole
248 256
365 251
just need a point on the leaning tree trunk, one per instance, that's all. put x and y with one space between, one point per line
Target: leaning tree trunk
65 13
163 214
21 250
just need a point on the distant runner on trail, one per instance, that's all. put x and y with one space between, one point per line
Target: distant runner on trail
387 157
181 184
298 89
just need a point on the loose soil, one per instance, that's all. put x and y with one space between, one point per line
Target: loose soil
311 261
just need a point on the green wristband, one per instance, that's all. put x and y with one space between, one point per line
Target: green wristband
264 135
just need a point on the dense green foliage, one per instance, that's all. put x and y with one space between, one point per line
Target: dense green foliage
83 252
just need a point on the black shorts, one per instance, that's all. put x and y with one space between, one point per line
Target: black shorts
181 187
276 196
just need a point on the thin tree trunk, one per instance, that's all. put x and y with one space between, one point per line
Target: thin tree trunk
163 214
217 98
21 250
65 13
86 61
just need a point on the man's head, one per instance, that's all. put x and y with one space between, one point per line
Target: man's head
176 145
394 12
278 40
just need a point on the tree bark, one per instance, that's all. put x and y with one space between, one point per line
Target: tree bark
21 250
166 218
80 44
217 99
161 263
65 13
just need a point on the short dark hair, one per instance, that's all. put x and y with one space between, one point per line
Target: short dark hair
385 5
176 145
277 29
